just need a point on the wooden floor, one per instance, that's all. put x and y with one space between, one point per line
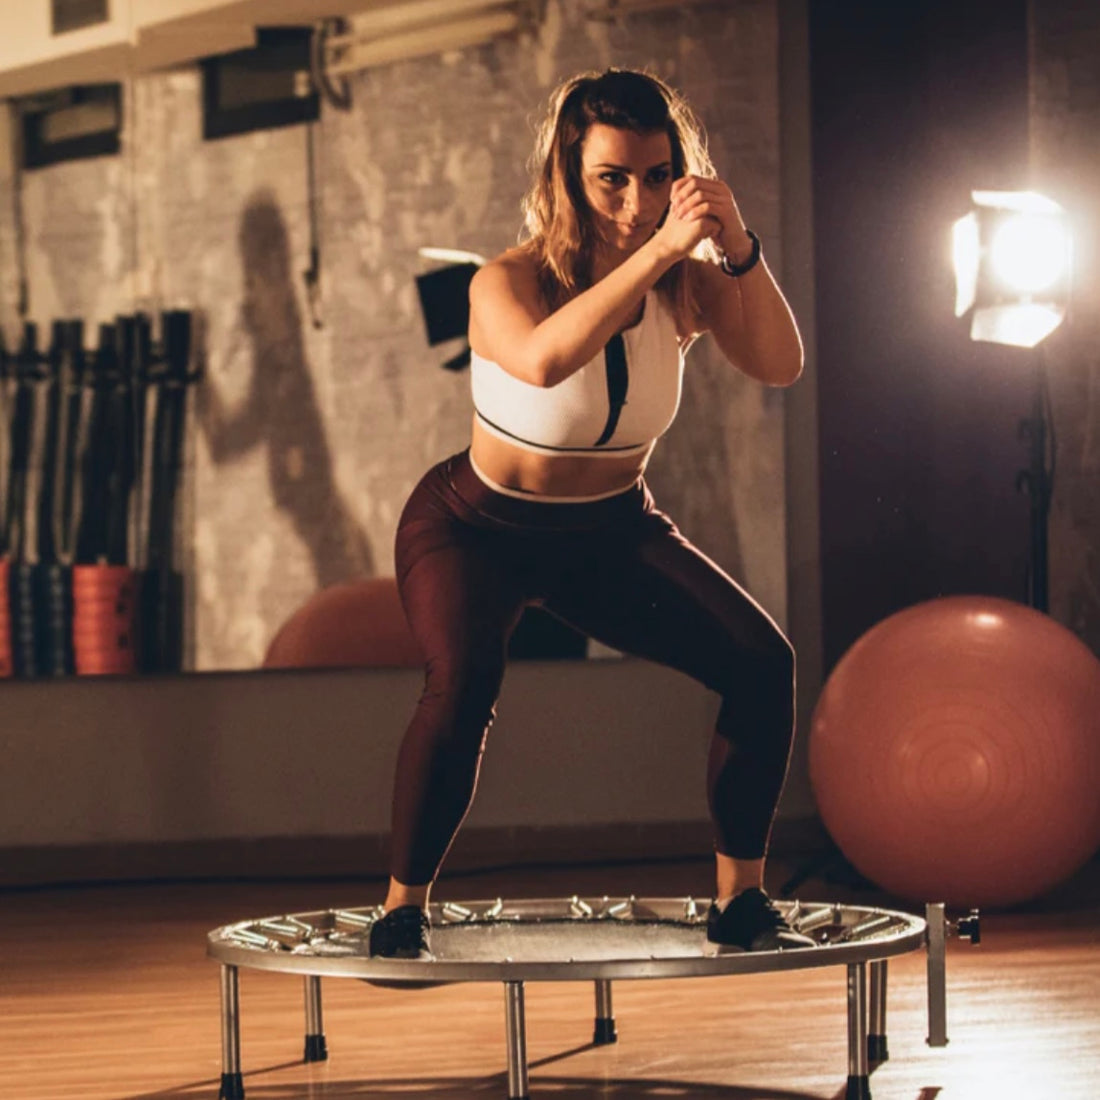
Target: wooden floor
106 993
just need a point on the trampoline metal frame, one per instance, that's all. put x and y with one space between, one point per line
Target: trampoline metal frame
867 938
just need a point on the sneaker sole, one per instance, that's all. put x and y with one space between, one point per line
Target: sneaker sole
712 950
379 983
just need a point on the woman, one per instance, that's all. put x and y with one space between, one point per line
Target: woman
633 248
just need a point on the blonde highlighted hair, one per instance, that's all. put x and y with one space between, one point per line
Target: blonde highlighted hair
559 229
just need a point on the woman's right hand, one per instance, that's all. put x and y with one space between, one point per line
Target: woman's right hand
679 236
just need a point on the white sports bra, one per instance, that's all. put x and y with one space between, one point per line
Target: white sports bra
615 405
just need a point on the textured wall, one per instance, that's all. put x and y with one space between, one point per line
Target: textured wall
308 439
1065 119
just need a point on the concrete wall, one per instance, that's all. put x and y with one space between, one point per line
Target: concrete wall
317 415
290 773
312 754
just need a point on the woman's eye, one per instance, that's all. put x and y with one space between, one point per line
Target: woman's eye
613 177
659 175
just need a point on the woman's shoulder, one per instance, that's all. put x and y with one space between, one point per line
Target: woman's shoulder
514 272
518 262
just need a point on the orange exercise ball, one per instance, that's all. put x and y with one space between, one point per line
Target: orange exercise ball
955 753
360 624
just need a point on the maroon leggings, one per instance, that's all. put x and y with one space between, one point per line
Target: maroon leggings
470 559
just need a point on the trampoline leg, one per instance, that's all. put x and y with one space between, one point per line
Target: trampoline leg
232 1087
859 1087
605 1016
316 1051
936 918
877 1051
516 1031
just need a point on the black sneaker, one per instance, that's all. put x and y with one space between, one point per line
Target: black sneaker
401 934
751 922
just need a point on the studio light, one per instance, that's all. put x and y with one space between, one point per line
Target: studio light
444 301
1013 255
1013 258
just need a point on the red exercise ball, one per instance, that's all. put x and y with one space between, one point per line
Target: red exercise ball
955 752
355 625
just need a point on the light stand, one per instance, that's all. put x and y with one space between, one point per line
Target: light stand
1037 480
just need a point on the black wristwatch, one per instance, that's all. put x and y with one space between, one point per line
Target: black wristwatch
732 269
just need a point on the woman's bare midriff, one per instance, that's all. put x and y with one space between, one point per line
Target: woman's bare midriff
553 475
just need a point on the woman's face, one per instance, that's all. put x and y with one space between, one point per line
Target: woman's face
627 178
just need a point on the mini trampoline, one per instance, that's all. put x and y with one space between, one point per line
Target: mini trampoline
576 939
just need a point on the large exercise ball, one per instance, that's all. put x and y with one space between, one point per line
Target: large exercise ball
955 752
360 624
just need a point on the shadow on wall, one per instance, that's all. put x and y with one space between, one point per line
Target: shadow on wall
280 409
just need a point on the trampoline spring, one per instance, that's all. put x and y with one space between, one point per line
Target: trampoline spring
494 911
283 932
815 918
865 928
621 910
248 938
302 926
453 913
691 910
351 920
580 909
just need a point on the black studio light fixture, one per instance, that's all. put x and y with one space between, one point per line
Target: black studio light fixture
263 86
1013 261
444 299
71 123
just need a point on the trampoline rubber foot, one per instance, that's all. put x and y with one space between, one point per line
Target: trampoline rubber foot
316 1050
604 1033
877 1052
232 1087
859 1088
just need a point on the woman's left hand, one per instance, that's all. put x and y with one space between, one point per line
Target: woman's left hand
698 197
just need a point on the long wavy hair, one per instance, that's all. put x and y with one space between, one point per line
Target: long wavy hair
559 228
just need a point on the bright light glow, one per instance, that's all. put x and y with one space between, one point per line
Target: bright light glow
966 254
1025 202
1013 257
1022 325
988 620
1030 252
